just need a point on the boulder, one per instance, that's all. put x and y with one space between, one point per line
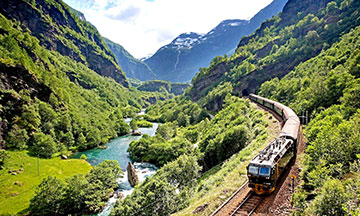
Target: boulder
132 176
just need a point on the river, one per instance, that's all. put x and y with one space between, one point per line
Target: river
117 150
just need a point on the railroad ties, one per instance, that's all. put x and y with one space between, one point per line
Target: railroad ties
248 205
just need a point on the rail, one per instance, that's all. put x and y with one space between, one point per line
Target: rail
230 198
248 205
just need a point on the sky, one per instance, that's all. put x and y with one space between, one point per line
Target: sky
143 26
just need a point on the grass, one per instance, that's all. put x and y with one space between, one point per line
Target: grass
222 181
15 199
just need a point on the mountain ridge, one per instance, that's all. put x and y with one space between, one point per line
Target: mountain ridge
58 29
177 62
132 67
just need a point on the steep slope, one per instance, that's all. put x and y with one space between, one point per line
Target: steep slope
132 67
52 102
163 86
182 58
327 87
52 23
300 32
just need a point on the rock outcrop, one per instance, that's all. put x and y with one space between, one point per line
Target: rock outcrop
132 175
65 33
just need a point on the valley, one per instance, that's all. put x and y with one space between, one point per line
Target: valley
76 108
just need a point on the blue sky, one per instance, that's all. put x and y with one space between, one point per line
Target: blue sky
143 26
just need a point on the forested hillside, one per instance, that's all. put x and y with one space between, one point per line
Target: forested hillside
163 86
328 87
312 48
310 54
57 29
61 90
52 102
300 32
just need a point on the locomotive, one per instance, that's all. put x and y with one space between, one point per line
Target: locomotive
267 167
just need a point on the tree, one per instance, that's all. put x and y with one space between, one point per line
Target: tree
48 197
96 196
133 125
121 127
4 155
75 194
107 172
17 138
68 139
81 141
330 200
44 145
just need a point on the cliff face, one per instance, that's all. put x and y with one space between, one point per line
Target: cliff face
133 67
182 58
15 79
300 32
58 29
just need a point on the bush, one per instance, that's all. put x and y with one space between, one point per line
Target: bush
83 157
330 199
48 198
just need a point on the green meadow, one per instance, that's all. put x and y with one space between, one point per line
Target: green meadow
17 190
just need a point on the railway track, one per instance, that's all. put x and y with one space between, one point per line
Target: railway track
248 205
244 201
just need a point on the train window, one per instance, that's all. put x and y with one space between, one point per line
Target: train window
265 171
253 170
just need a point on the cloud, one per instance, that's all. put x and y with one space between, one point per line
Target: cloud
127 14
143 26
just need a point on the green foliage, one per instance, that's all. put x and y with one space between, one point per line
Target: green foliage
144 123
17 138
48 197
83 157
330 200
230 131
44 145
158 194
180 108
133 125
78 108
4 155
107 172
75 194
280 45
81 195
327 86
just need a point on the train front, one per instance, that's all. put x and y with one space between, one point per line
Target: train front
261 178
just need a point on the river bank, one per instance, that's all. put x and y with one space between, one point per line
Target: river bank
116 149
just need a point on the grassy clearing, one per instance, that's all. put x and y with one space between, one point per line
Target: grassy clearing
222 181
15 198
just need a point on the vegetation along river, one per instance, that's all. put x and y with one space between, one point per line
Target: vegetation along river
117 150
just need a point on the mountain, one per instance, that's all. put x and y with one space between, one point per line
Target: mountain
60 85
182 58
132 67
300 32
59 30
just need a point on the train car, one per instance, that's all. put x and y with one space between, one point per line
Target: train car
267 167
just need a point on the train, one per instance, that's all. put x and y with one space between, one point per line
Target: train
267 167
